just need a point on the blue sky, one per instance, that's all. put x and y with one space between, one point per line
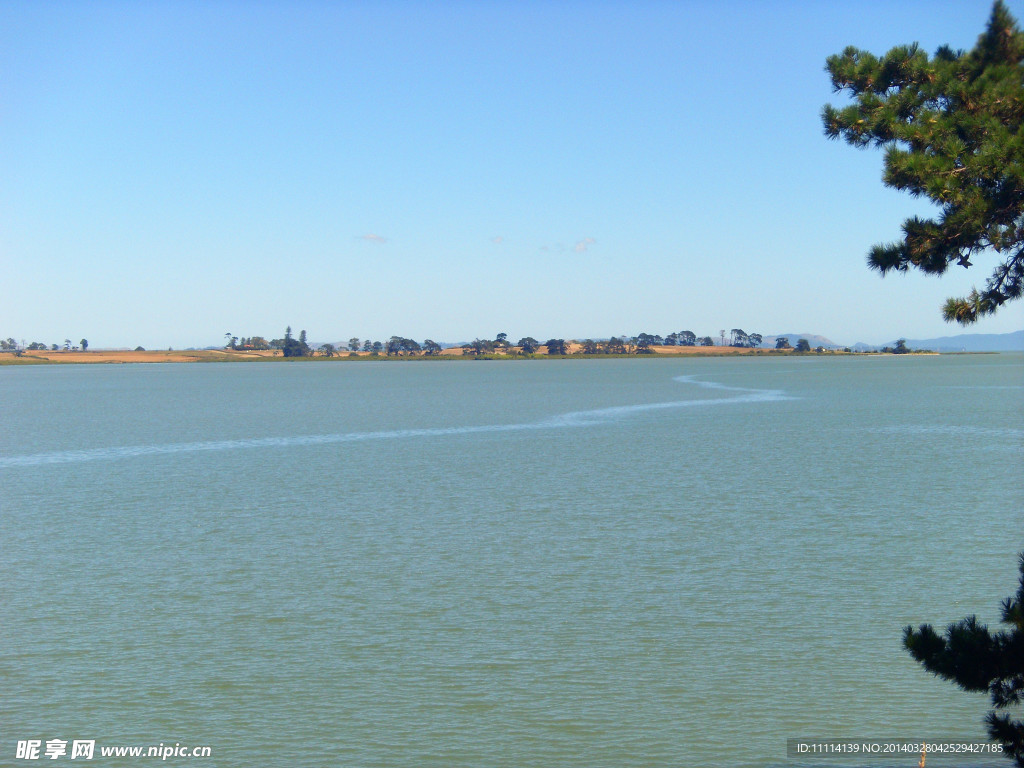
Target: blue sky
171 171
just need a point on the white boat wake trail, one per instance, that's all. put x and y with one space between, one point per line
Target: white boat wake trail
565 420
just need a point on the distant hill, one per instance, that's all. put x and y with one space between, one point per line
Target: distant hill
967 342
971 342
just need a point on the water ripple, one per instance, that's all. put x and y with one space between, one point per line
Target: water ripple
565 420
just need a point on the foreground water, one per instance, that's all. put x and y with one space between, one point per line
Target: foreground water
559 563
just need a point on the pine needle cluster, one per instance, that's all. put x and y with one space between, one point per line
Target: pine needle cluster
950 125
979 660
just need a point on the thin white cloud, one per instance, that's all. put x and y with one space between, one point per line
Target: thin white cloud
371 238
498 240
583 244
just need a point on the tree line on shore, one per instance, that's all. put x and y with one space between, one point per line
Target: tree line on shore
642 343
399 346
10 345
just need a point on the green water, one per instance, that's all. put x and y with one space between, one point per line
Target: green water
554 563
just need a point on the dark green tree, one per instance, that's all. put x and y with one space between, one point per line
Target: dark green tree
396 345
951 128
615 346
978 660
528 344
707 341
555 346
644 342
85 344
353 344
802 345
782 343
478 347
431 347
687 339
901 347
326 350
291 347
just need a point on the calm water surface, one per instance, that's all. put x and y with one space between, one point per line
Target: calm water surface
559 563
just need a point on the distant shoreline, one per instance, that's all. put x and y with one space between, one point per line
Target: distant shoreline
121 357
